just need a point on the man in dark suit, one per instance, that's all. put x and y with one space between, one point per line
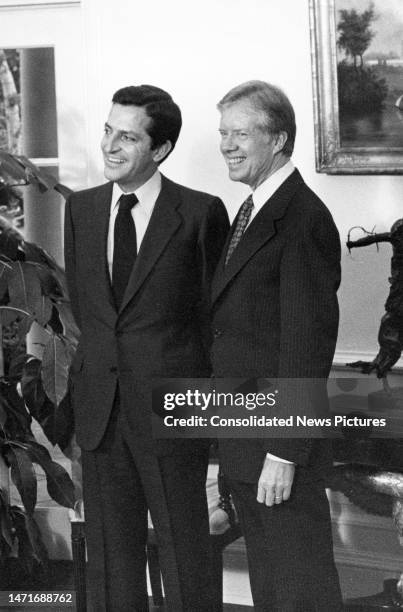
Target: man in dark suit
140 252
275 314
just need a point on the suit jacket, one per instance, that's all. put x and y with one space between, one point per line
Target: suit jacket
275 312
163 326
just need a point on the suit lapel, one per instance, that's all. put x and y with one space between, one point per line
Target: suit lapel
261 230
99 221
164 222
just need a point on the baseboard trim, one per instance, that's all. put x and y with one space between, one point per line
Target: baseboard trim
367 560
341 358
343 557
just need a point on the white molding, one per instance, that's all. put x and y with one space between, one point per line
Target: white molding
368 560
366 521
33 4
44 161
343 357
347 557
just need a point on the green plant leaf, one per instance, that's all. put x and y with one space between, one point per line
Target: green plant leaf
32 386
70 329
16 367
59 484
18 422
10 239
31 549
25 291
5 522
9 314
4 269
63 429
49 282
3 417
44 312
31 374
56 361
23 475
2 359
39 405
36 254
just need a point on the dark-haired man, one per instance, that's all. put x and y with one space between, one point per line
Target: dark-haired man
275 315
140 252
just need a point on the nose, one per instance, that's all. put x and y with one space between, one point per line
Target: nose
109 143
228 143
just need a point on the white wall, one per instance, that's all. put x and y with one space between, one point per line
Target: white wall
197 51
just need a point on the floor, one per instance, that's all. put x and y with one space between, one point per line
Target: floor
237 596
236 587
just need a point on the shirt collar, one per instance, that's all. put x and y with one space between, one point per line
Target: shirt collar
271 184
146 194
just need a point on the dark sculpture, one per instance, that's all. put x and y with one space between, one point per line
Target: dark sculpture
390 335
371 475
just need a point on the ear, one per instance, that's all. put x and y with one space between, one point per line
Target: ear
281 139
162 151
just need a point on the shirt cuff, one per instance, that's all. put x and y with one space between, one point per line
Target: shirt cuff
270 456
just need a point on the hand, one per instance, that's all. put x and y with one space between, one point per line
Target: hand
275 482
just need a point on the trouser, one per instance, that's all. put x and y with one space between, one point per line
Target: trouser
289 548
120 485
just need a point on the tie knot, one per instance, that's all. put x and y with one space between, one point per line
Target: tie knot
126 202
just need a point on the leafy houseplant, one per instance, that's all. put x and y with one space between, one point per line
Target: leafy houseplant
32 293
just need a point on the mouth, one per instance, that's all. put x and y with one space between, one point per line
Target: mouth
113 161
233 162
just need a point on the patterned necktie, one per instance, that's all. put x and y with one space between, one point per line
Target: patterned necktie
242 221
124 248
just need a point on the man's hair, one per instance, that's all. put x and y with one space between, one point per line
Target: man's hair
165 115
272 101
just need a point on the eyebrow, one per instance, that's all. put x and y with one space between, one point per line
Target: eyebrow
107 125
235 130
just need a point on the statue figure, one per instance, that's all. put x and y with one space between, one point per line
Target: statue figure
390 335
371 472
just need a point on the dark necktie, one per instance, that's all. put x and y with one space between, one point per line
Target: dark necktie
242 221
124 248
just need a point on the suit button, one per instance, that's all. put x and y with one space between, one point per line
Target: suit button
119 333
113 370
217 333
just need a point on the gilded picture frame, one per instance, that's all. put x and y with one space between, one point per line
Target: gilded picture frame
333 156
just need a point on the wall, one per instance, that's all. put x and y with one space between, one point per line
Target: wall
199 51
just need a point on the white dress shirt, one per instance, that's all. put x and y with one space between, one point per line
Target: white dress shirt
147 195
260 196
268 187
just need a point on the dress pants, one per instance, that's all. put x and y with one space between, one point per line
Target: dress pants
120 484
289 547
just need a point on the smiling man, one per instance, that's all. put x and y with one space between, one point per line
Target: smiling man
275 315
140 252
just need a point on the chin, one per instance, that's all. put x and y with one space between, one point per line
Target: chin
234 176
112 175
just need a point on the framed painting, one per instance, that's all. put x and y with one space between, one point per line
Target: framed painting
357 70
27 90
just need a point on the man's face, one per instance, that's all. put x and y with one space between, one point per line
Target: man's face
246 144
129 159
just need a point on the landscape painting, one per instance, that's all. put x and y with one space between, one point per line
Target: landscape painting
370 72
11 199
357 65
